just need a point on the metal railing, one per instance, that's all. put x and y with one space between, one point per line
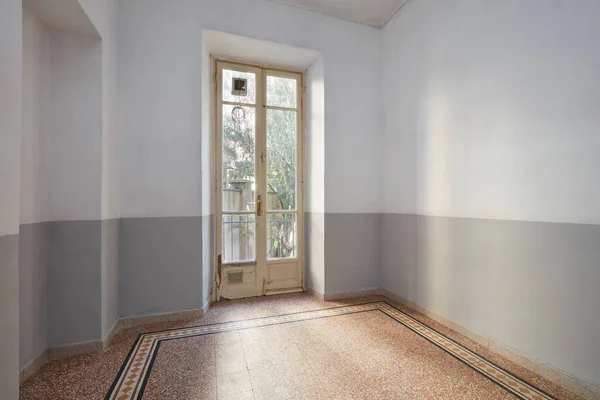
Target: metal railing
238 238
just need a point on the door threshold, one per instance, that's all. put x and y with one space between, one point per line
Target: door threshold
272 292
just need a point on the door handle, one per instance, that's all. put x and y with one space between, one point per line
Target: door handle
258 205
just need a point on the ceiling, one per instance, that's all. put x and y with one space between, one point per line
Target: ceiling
367 12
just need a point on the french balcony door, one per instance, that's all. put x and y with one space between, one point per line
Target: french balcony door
259 160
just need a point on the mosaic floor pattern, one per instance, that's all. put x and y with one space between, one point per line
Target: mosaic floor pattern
132 379
292 347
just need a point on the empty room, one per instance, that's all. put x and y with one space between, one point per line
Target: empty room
299 199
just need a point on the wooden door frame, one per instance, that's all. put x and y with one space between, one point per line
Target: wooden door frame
217 159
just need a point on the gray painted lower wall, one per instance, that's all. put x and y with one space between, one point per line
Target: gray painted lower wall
74 282
73 288
68 284
531 285
9 315
160 265
352 252
208 271
165 264
314 257
33 291
80 276
110 274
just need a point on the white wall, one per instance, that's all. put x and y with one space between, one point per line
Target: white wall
110 115
62 142
36 98
10 113
62 115
315 138
160 60
491 110
74 146
207 140
104 15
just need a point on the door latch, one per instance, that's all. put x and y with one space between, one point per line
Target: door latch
259 205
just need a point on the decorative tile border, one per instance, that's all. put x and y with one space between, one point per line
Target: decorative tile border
495 373
130 382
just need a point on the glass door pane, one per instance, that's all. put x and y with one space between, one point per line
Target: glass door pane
281 159
281 167
281 92
281 231
238 130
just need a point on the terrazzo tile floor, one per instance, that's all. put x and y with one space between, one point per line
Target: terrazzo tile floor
365 355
